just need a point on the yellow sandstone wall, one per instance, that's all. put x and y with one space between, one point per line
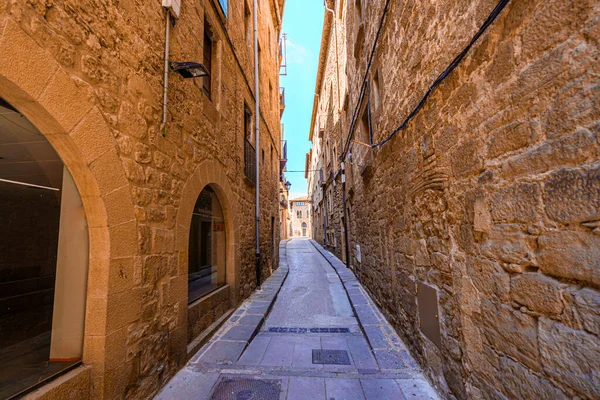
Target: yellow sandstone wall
491 195
89 75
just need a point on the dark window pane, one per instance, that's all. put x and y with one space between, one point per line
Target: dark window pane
206 253
207 61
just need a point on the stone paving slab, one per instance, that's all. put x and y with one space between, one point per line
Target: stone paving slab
382 389
381 367
387 347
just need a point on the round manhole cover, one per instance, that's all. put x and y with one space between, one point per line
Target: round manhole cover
247 389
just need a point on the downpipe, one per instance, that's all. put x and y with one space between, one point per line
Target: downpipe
257 149
163 124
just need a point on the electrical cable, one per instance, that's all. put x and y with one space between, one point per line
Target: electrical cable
494 14
451 67
364 84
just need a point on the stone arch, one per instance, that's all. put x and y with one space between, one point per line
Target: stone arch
35 84
207 173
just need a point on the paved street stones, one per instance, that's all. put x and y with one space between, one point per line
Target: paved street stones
250 345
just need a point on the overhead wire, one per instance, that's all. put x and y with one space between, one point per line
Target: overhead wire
494 14
365 81
447 71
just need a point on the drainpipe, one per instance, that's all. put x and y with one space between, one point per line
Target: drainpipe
337 63
257 123
163 125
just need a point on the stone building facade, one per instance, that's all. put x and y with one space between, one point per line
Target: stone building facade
86 77
476 226
300 217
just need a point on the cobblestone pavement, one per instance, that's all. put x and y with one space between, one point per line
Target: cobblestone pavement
268 348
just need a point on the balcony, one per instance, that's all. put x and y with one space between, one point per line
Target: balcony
283 202
281 100
249 162
283 160
322 180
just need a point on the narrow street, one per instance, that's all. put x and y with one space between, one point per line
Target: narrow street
311 307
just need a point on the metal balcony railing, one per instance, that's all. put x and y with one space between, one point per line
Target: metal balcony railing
281 100
249 161
283 161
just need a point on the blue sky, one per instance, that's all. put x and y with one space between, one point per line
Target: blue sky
303 22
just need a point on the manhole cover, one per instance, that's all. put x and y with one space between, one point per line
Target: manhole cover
339 357
247 389
283 329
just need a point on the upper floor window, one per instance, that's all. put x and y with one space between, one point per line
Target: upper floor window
223 4
358 8
247 22
299 214
207 53
247 123
300 203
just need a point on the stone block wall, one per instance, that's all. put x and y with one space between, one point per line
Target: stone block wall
491 195
89 75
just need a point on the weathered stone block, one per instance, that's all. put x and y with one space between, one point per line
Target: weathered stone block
569 356
570 254
482 221
538 292
509 246
509 138
466 160
489 277
568 150
588 306
573 195
521 383
520 202
511 332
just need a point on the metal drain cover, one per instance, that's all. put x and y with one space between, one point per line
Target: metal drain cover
247 389
283 329
338 357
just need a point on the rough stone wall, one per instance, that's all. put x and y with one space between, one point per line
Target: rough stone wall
491 195
113 52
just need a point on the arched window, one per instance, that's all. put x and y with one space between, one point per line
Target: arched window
304 225
206 254
43 258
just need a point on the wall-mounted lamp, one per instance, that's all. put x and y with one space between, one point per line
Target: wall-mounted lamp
288 185
189 69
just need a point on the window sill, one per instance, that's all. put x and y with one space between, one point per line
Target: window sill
204 296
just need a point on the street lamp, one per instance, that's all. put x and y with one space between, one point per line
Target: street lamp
189 69
288 185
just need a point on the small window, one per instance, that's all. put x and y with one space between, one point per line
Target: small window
247 23
299 214
262 157
247 123
358 9
363 127
207 52
376 99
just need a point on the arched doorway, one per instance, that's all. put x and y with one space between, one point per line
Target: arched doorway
44 253
207 246
304 226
